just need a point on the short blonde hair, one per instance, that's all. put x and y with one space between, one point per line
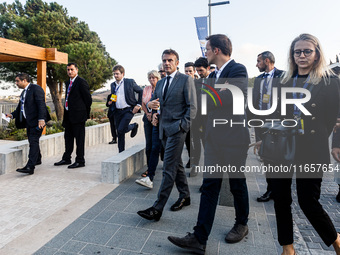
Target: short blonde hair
154 73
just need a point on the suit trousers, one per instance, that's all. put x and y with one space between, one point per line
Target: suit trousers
308 192
123 118
113 127
152 147
233 156
34 154
173 170
148 138
188 144
75 131
196 137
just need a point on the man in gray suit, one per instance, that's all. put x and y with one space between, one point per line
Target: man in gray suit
175 100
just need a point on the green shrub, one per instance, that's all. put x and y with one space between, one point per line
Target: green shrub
54 127
4 133
90 123
20 134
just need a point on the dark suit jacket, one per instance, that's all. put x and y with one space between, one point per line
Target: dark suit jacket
257 87
256 97
225 135
336 137
35 108
111 107
79 102
179 105
312 147
130 88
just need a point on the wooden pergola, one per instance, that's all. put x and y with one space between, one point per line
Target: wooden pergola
12 51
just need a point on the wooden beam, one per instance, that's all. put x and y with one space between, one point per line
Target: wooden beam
7 58
19 49
60 58
26 51
50 53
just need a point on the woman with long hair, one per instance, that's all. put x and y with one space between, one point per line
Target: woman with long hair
307 69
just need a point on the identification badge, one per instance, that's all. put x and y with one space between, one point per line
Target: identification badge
265 98
301 126
113 98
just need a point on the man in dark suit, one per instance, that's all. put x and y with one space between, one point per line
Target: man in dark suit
110 115
175 99
125 104
262 100
32 114
77 109
198 124
189 69
226 145
336 154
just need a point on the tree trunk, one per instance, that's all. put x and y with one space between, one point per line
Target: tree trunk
56 98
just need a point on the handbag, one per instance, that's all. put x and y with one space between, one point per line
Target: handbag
278 143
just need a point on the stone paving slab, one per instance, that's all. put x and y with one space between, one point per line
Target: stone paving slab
52 193
113 227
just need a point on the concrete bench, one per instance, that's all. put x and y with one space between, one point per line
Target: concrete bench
123 165
15 154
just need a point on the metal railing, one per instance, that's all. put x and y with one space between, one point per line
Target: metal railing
6 108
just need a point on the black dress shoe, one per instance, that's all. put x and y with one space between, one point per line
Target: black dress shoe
188 242
76 165
114 141
26 170
38 163
62 162
150 214
265 197
134 130
180 203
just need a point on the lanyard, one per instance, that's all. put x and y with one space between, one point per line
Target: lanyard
297 111
117 87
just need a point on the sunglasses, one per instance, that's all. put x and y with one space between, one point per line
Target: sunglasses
307 53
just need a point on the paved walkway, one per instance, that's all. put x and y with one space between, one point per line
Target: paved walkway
60 211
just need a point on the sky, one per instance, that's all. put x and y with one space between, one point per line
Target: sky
136 32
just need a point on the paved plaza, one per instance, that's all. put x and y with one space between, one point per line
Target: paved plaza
63 211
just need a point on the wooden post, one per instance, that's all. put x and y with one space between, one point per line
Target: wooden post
41 74
41 79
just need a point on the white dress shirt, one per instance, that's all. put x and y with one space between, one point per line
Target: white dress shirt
120 92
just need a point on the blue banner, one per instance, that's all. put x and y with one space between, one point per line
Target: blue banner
202 31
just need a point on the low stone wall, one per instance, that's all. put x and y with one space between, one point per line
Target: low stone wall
123 165
14 155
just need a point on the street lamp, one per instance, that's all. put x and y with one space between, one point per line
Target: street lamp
214 4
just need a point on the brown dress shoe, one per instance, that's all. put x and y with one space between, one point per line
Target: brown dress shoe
237 233
189 242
